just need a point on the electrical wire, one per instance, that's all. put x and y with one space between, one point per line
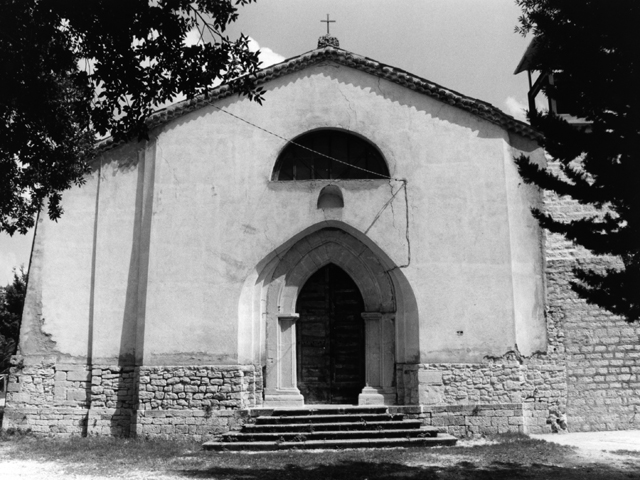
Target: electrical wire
306 148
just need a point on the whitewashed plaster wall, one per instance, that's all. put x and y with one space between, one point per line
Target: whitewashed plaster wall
186 224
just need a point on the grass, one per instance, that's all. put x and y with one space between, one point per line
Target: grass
103 453
502 457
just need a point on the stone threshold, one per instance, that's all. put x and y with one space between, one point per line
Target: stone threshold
392 409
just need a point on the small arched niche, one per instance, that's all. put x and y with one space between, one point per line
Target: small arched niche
330 197
330 154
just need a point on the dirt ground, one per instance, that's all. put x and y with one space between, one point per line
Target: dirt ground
477 459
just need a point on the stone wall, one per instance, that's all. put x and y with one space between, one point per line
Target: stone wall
46 384
195 402
518 394
480 419
602 351
206 388
602 354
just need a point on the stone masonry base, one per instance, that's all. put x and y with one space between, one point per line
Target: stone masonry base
499 395
457 420
465 420
197 402
201 402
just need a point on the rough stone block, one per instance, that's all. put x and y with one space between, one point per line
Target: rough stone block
516 421
77 395
431 395
13 387
78 375
478 421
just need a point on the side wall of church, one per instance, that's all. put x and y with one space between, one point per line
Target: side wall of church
602 351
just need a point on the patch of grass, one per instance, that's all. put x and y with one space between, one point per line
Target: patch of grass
102 453
13 434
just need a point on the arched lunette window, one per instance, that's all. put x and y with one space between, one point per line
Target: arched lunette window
310 163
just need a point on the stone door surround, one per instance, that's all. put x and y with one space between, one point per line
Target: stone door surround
329 245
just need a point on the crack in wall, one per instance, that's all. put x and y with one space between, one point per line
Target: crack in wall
514 354
407 236
393 212
382 92
346 99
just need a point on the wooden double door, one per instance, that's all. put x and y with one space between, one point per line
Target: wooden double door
330 346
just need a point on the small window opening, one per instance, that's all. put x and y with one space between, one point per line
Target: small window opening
330 197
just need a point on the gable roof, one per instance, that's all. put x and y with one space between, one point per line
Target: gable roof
343 57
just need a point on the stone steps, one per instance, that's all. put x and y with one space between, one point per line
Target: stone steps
329 410
337 418
441 440
315 427
423 432
330 427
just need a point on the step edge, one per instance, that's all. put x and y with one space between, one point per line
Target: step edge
344 443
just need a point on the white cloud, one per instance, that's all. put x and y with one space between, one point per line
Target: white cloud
516 109
267 56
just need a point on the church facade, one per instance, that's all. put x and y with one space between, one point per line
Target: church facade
363 237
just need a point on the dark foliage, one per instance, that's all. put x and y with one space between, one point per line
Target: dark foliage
74 70
11 305
593 46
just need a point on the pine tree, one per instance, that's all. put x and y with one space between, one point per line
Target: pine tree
592 48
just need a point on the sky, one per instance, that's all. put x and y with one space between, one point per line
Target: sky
464 45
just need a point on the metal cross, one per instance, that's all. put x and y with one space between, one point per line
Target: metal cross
327 21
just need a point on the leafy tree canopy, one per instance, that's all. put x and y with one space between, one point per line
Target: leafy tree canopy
593 48
74 70
11 305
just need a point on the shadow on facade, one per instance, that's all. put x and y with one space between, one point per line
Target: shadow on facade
115 384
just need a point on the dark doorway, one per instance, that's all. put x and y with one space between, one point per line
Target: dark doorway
330 338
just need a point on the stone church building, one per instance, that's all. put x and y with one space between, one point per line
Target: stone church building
363 237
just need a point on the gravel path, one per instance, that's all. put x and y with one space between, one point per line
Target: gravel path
598 441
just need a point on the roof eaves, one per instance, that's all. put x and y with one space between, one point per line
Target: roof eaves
477 107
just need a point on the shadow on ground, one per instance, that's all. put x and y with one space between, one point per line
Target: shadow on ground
460 471
505 458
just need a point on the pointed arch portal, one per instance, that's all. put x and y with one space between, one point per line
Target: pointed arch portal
330 342
320 253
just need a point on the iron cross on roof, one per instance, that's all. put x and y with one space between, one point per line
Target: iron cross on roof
327 21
